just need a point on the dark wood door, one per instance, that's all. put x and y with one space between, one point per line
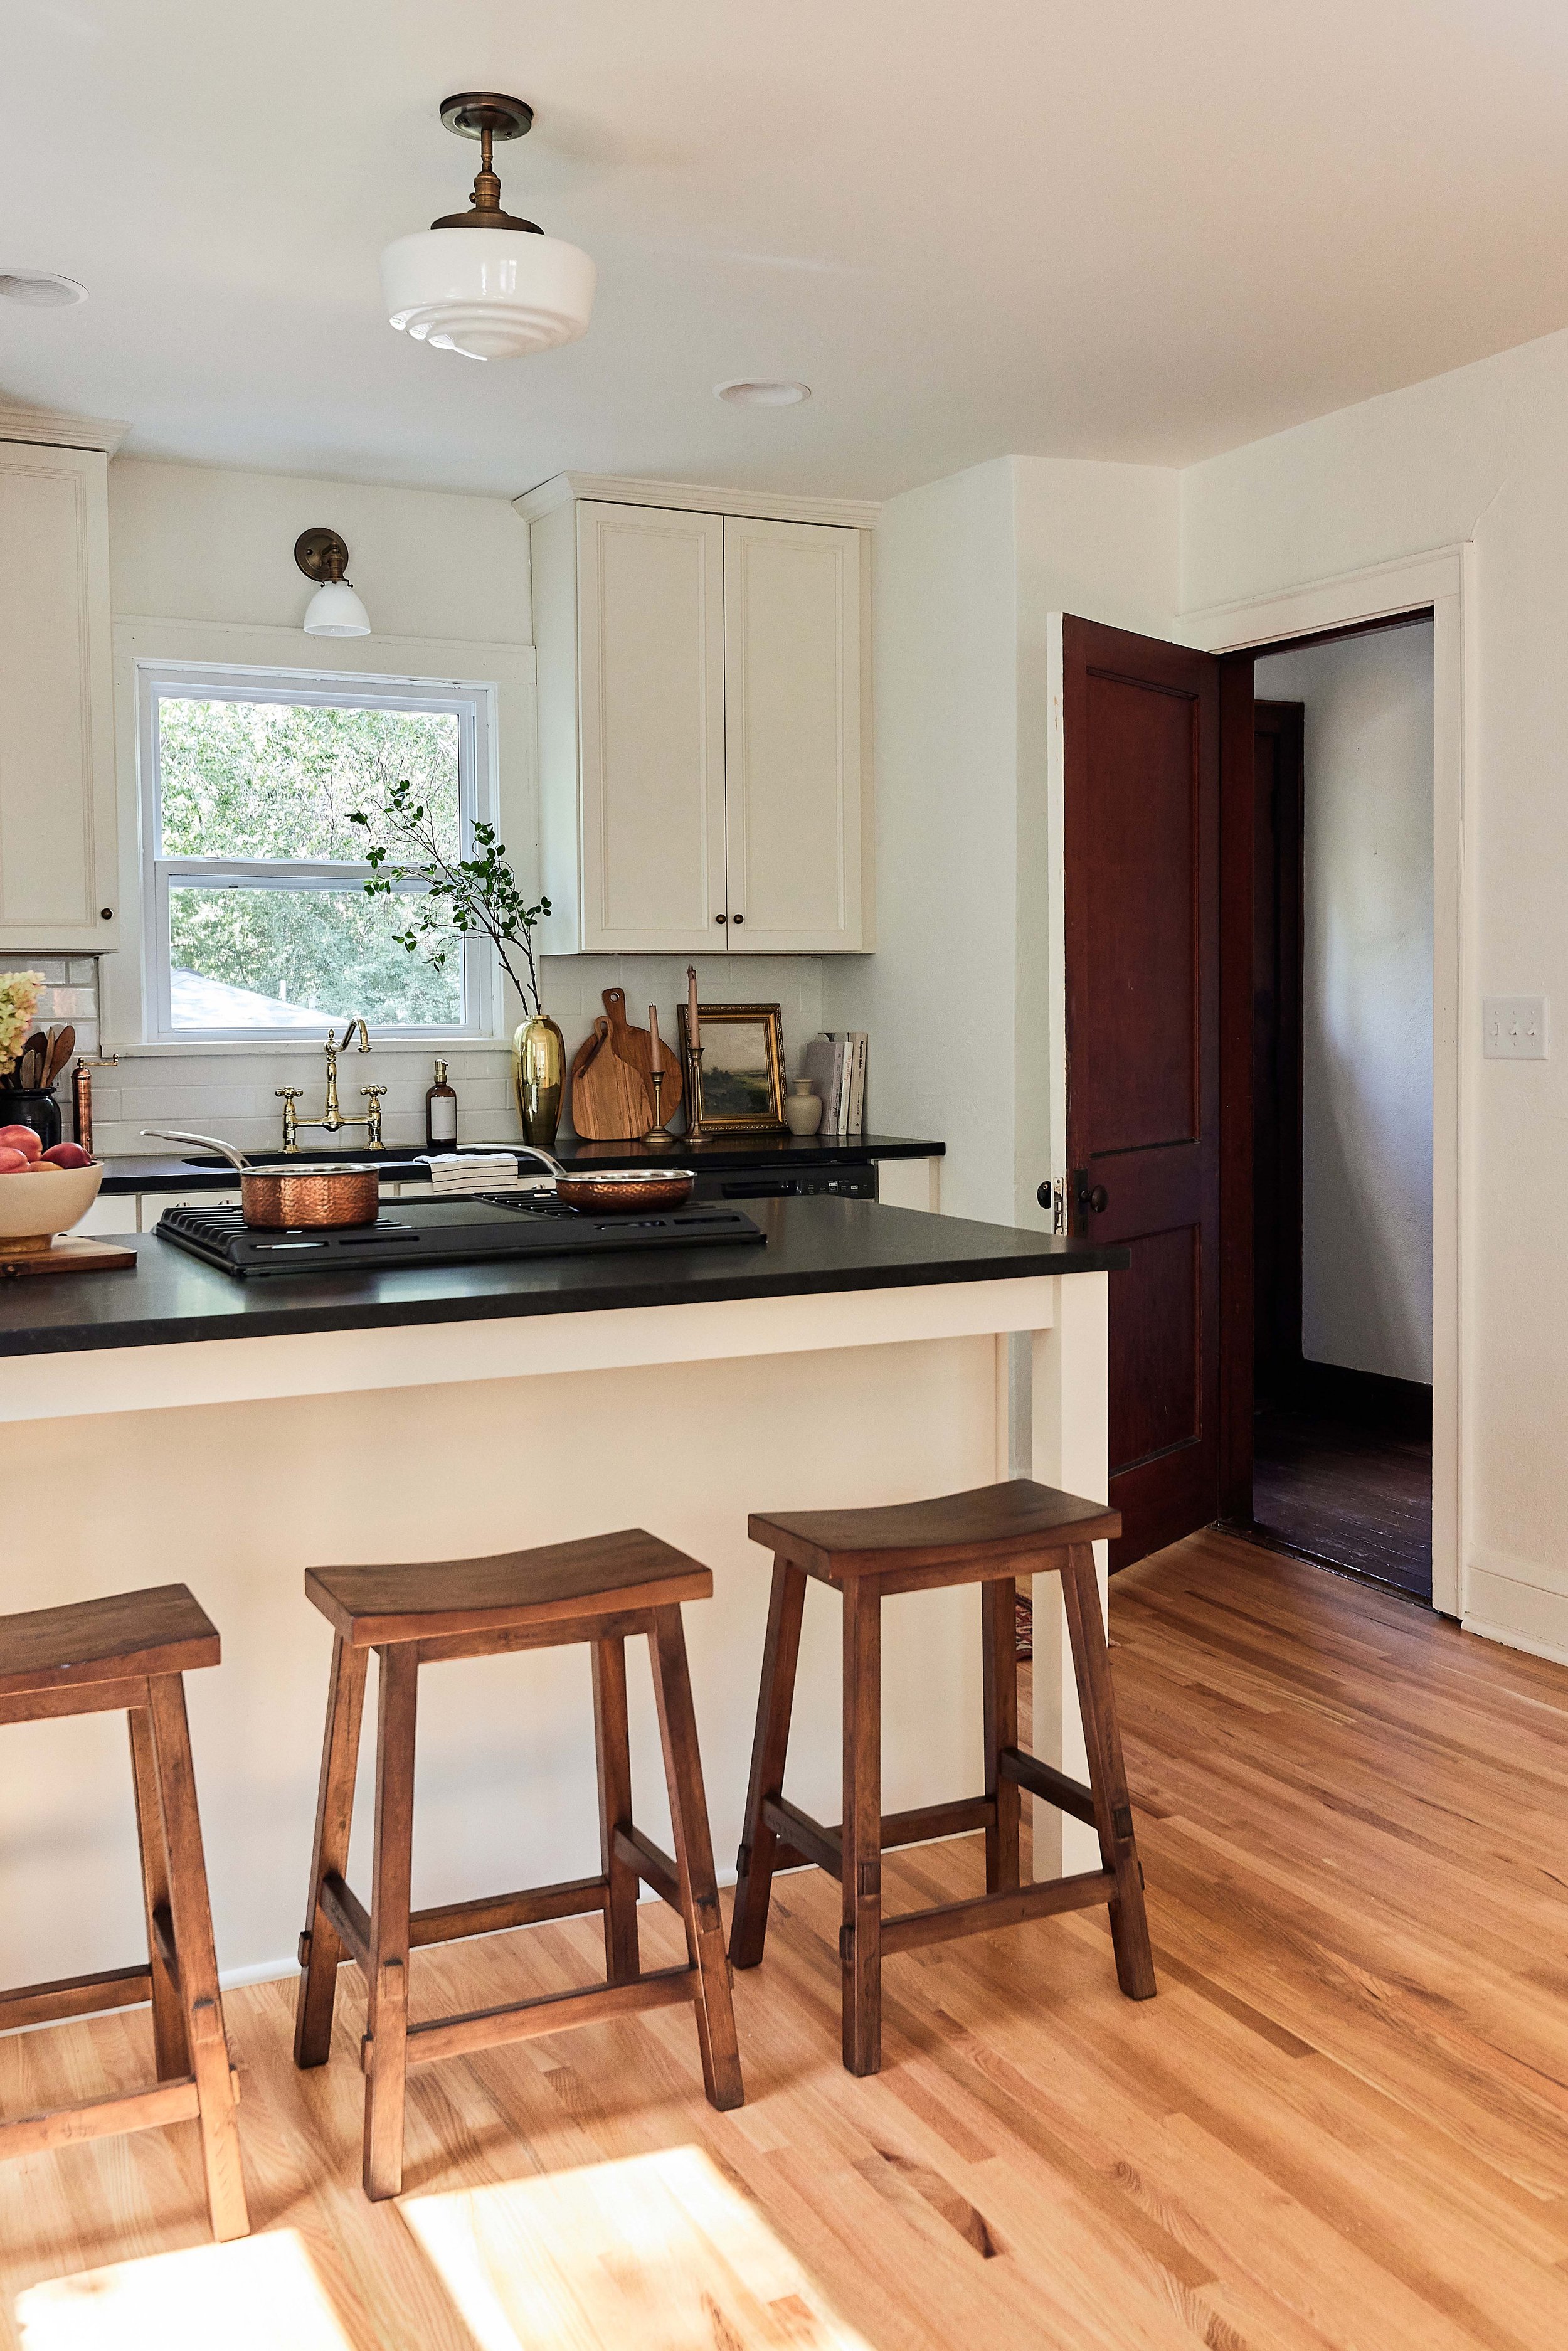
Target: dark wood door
1142 724
1277 934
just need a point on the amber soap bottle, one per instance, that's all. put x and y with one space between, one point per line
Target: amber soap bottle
441 1113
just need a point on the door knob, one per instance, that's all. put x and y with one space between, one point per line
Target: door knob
1093 1198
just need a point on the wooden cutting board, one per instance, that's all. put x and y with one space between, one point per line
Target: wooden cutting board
71 1253
635 1048
611 1101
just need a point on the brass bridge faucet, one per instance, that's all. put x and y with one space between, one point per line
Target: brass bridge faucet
332 1121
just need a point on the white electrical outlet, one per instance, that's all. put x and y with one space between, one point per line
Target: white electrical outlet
1513 1027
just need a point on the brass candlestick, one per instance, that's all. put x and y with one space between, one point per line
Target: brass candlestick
658 1133
694 1128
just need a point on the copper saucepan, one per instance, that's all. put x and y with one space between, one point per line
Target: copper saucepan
615 1188
281 1199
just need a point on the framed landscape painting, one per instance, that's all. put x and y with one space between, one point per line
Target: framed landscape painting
740 1084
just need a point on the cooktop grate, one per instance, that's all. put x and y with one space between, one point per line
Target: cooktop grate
480 1226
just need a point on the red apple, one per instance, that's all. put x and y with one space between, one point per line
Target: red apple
13 1163
68 1154
22 1139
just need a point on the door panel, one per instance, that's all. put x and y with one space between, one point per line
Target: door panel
651 590
792 718
1141 839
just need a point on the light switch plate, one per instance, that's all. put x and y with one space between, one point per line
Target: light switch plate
1513 1027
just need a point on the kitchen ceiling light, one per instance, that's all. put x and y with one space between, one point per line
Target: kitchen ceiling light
463 287
334 611
751 394
40 290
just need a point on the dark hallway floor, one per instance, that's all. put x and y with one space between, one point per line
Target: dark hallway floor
1348 1495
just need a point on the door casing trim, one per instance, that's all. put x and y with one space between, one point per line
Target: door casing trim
1445 578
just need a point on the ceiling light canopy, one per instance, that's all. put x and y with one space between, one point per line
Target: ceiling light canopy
40 290
481 282
334 611
756 393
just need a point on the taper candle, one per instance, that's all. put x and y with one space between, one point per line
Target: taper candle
694 1034
654 1034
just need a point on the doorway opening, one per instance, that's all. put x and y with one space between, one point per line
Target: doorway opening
1341 1097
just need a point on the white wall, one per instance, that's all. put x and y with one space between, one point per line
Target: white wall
956 1000
1366 1203
198 544
1480 454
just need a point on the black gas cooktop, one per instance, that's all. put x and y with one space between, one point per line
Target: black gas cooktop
482 1225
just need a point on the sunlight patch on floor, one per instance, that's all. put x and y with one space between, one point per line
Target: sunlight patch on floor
259 2293
657 2251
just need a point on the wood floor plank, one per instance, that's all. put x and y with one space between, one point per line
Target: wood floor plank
1343 2122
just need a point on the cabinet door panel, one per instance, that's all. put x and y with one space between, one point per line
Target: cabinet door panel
56 758
792 705
651 604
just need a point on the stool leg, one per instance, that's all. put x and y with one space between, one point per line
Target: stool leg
694 1860
172 2056
753 1879
197 1957
386 2021
613 1744
860 1940
320 1952
1107 1774
998 1641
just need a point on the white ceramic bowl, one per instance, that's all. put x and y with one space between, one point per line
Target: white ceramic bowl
43 1202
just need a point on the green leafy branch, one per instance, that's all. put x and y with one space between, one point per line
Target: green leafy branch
472 896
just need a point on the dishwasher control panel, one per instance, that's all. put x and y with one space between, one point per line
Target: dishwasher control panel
851 1182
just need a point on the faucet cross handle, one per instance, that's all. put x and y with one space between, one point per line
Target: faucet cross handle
289 1096
373 1099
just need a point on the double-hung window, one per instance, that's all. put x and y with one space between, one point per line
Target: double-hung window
255 918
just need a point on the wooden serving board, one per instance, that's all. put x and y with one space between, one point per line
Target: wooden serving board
70 1254
611 1102
635 1048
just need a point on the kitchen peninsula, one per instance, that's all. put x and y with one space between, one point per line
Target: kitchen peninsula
230 1434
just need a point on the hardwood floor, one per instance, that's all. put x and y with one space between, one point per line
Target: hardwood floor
1343 2122
1353 1495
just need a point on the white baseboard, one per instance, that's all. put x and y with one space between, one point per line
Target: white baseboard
1518 1610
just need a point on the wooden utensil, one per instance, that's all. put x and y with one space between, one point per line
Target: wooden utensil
28 1069
635 1048
62 1045
611 1100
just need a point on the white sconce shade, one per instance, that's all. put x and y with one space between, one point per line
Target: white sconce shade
489 296
335 611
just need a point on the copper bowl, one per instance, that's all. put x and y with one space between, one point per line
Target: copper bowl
614 1189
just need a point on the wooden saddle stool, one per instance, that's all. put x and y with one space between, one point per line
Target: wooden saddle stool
598 1592
990 1537
99 1656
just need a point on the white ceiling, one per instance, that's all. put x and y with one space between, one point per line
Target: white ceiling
1140 229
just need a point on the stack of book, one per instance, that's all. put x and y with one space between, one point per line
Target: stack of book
835 1065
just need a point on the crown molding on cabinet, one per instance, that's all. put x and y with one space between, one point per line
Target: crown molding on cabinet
694 497
51 430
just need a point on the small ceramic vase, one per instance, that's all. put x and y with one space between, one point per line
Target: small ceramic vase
538 1075
802 1108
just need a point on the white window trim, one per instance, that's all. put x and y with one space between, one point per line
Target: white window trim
474 704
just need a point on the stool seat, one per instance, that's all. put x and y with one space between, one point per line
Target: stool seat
515 1591
976 1532
163 1631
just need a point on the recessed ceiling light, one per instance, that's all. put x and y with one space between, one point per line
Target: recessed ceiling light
40 289
748 393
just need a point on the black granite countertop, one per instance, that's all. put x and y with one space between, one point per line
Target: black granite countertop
725 1154
814 1246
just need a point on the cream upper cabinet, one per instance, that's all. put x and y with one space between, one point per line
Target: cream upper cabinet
703 709
792 736
58 865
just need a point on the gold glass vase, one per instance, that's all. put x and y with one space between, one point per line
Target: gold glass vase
538 1077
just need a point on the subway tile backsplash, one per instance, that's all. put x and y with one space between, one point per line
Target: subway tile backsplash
232 1093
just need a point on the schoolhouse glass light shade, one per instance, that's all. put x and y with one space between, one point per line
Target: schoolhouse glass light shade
335 611
483 282
490 295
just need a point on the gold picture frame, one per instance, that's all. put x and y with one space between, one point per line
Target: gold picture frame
737 1088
